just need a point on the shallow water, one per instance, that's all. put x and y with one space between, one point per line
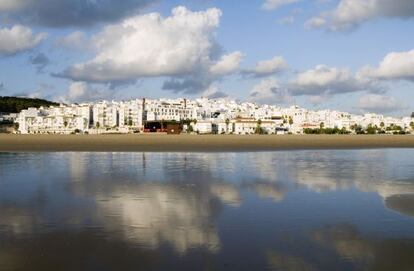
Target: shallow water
287 210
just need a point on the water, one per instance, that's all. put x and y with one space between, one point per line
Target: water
293 210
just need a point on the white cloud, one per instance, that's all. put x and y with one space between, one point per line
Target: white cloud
227 64
269 91
17 39
275 4
351 13
213 92
324 80
286 20
379 104
181 46
74 40
83 92
267 67
394 66
315 22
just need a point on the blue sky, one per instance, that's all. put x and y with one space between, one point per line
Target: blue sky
352 55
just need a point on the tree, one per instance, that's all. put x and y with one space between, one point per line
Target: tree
227 126
98 125
16 104
359 130
412 125
371 129
259 129
321 125
290 120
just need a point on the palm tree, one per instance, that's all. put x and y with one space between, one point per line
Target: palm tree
227 126
258 128
290 120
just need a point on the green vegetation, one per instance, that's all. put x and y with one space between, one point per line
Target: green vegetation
357 129
16 104
290 120
326 131
259 130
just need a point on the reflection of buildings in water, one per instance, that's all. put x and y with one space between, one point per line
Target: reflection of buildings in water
77 166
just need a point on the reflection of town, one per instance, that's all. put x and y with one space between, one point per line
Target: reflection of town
159 199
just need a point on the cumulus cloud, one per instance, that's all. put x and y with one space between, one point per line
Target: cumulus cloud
83 92
267 67
63 13
18 39
325 81
394 66
351 13
39 60
275 4
213 92
182 47
228 64
379 104
269 91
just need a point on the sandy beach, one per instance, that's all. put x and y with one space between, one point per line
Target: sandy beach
199 143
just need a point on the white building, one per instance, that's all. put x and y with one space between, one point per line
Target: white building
130 114
222 116
203 127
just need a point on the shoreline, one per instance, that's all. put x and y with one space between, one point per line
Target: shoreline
197 143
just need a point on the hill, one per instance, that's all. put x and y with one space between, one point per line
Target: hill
17 104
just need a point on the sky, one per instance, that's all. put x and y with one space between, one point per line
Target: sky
350 55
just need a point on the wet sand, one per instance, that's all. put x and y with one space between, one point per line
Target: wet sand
197 143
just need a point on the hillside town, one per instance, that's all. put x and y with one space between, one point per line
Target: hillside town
199 116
